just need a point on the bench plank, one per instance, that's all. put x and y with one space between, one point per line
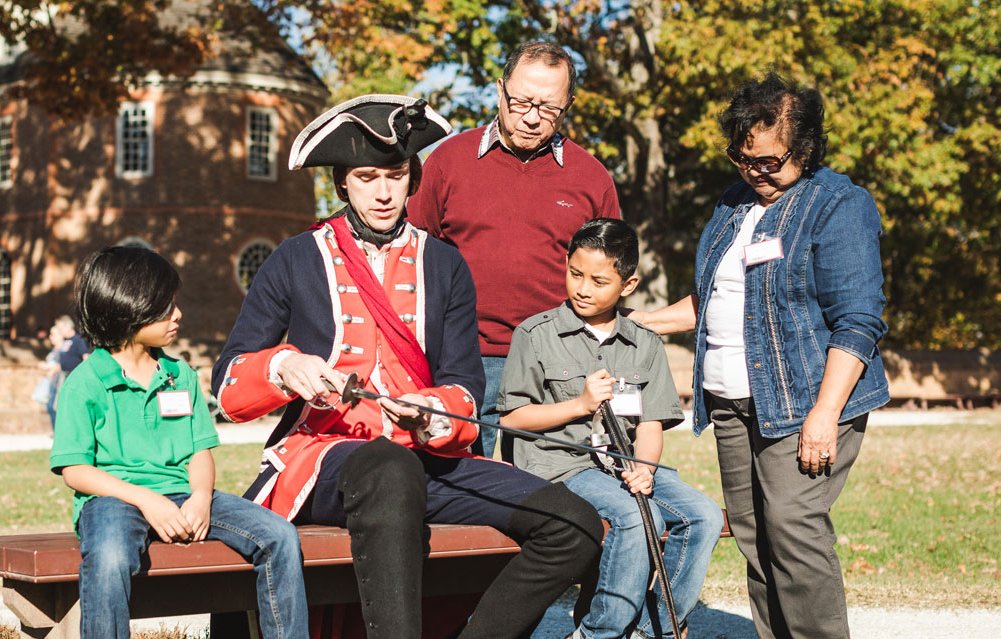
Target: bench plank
55 557
40 572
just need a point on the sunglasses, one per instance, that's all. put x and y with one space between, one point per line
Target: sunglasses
765 165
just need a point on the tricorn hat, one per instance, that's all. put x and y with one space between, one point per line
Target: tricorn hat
371 130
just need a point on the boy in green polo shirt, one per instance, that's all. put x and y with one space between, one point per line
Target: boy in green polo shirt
132 439
562 365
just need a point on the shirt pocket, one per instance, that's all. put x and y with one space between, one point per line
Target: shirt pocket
632 378
565 381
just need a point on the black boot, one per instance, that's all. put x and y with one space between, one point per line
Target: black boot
384 492
560 536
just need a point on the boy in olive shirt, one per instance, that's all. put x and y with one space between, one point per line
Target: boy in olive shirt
562 365
132 439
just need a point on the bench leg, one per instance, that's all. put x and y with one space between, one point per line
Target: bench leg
51 611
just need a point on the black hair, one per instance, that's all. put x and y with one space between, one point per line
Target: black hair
775 100
549 53
121 289
616 239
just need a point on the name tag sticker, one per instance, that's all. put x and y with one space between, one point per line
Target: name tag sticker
627 400
764 251
174 403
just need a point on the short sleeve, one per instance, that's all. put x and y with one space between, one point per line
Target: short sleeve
523 380
660 397
74 442
203 432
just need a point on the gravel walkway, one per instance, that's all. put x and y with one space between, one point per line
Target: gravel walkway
733 621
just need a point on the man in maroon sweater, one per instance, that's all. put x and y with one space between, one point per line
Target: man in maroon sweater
509 196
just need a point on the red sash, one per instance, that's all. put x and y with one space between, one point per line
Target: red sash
399 337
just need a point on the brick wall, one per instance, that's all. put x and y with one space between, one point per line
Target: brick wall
198 209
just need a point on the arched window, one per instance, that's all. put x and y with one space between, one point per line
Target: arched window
134 241
250 260
5 313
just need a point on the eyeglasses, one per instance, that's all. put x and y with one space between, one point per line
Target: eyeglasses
765 165
521 106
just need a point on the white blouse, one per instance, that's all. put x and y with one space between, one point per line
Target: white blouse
725 365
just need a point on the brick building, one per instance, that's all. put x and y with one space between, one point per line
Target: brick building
194 169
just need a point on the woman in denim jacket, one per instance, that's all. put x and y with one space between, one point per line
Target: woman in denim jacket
787 312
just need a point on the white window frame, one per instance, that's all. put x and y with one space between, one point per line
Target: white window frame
239 254
7 151
272 151
150 110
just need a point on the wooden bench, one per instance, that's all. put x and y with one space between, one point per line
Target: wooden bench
40 574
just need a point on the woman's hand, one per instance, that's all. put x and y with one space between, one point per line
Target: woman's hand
818 440
304 375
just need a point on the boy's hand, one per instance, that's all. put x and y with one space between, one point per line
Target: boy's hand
197 510
597 389
165 518
639 480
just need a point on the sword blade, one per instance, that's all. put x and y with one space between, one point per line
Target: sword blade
353 392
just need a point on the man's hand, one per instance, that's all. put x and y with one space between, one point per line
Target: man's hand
639 480
407 417
197 510
304 375
165 518
597 389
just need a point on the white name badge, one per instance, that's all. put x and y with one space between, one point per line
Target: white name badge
765 251
627 400
174 403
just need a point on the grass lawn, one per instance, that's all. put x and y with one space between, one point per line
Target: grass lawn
917 522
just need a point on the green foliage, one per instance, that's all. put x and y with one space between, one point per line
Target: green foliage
85 55
911 92
911 89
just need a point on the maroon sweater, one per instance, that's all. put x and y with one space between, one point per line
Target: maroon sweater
512 221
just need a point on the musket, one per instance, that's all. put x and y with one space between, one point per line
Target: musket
621 442
353 393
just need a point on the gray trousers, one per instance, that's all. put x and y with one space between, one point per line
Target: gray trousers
780 518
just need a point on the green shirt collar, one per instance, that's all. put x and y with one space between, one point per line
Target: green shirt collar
110 372
567 322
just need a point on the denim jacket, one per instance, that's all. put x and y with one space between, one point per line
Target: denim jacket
825 292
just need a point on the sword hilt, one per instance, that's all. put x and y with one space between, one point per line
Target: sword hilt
352 393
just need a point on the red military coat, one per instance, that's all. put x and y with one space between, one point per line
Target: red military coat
305 291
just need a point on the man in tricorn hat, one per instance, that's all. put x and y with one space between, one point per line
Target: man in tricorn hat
365 292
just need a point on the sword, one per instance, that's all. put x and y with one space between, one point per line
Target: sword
353 392
621 441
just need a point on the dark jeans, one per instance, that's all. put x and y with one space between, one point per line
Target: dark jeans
114 535
385 494
780 518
